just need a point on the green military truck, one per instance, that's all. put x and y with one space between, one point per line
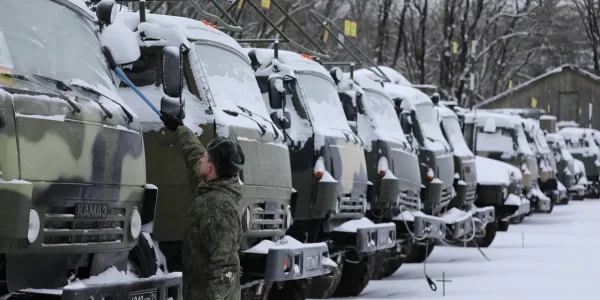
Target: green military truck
72 167
328 168
216 94
582 145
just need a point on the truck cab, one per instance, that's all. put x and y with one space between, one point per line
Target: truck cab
328 167
215 94
582 145
565 164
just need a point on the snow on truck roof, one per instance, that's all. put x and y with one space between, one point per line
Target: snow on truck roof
392 74
446 112
480 118
298 62
191 29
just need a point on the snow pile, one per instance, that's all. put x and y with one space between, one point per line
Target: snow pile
354 225
122 43
491 172
326 261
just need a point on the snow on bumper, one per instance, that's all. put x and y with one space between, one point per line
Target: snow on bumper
524 206
116 286
423 226
577 190
458 222
484 214
289 259
367 236
540 201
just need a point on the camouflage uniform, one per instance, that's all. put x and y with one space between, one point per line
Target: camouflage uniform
211 264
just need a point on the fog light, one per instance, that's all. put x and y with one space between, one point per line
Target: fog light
286 265
135 224
34 226
288 217
245 219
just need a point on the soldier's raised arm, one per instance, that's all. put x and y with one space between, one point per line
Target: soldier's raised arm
192 151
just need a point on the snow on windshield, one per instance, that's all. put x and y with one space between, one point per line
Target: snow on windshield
385 118
522 141
455 137
428 119
325 106
233 87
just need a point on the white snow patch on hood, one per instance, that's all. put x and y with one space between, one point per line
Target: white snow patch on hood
491 172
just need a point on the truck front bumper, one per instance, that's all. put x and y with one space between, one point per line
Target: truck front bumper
459 223
523 204
288 259
364 236
420 225
154 288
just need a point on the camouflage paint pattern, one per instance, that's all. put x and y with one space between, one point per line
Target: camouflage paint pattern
211 264
64 158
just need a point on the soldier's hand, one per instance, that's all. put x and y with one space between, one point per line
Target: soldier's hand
170 121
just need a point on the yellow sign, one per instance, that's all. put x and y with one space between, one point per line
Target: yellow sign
510 84
353 29
454 47
548 108
240 4
533 102
347 27
325 36
580 111
266 4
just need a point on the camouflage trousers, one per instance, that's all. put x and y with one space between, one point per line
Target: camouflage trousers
226 287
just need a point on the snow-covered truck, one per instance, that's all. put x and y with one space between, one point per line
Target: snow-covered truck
72 178
196 71
328 168
420 123
501 137
466 181
582 145
565 163
392 166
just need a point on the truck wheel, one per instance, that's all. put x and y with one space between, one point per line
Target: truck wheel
144 257
490 235
293 290
422 252
385 265
322 287
356 274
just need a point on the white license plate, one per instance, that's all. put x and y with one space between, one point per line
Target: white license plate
312 262
144 295
382 237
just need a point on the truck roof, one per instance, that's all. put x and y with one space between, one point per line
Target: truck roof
296 61
190 29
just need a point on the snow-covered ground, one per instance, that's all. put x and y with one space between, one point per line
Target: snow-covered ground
560 260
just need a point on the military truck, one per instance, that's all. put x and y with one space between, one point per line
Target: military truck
216 94
581 144
392 166
328 168
73 175
501 137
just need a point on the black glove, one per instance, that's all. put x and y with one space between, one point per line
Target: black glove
170 121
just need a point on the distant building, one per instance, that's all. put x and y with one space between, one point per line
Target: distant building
564 92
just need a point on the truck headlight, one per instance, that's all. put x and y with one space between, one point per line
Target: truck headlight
34 226
245 219
135 224
288 217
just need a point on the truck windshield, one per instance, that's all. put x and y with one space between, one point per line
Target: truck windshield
428 119
232 84
455 137
500 141
46 38
324 104
522 141
384 116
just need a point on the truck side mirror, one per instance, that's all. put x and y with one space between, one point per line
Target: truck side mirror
172 71
417 128
405 124
284 122
276 96
106 12
173 106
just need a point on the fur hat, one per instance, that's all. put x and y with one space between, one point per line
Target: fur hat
227 156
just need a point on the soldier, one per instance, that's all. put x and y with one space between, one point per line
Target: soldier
211 265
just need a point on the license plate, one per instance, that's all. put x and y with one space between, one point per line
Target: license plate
91 211
382 237
144 295
312 262
271 206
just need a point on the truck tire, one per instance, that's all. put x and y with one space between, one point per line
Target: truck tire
386 265
422 252
293 290
356 274
144 257
323 287
490 235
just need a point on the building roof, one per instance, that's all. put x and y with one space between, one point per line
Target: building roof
529 82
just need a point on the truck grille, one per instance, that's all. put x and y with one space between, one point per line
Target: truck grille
471 192
352 206
62 229
446 196
409 198
267 216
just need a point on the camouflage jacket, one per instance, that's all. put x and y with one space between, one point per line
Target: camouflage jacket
211 264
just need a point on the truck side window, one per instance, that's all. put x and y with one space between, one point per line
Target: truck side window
143 72
349 109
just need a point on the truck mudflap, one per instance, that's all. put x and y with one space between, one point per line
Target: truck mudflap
364 236
153 288
286 259
459 223
484 214
420 225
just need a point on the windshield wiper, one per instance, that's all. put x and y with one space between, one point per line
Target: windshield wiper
251 114
27 79
98 94
64 87
348 131
235 114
